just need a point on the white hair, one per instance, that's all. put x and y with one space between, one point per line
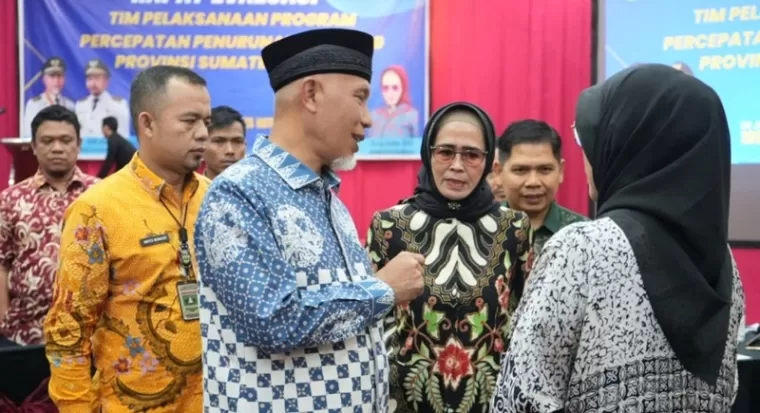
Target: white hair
345 163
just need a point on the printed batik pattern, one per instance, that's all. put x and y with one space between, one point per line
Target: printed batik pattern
587 344
30 233
445 346
290 312
116 306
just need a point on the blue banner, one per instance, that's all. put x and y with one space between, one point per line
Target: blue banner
222 41
718 41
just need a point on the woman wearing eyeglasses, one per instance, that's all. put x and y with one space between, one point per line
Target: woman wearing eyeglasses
398 118
445 345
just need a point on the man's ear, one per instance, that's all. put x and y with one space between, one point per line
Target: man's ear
147 124
309 88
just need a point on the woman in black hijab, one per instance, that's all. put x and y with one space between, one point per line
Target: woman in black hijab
639 309
446 345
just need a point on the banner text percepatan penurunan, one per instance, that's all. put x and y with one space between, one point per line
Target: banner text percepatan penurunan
175 41
184 41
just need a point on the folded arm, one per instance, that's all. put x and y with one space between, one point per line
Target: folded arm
241 263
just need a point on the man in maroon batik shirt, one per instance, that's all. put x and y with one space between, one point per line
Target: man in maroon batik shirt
30 225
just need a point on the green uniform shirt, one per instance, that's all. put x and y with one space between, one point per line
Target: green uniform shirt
557 218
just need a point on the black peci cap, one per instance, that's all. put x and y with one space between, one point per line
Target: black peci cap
95 66
54 65
319 51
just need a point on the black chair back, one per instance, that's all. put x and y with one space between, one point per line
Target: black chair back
23 369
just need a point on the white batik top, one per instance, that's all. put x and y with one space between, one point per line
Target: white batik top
586 338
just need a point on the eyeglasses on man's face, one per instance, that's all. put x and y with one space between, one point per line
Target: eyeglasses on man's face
447 153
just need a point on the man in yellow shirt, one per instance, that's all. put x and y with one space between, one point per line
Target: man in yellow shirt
126 292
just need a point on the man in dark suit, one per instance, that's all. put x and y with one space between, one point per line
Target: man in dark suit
120 150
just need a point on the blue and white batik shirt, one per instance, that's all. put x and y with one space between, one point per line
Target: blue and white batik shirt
290 311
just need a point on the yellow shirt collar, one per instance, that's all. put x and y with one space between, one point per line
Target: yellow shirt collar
156 186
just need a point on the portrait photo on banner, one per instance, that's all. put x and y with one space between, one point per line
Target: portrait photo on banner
84 54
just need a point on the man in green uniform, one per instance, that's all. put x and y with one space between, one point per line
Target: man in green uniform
530 169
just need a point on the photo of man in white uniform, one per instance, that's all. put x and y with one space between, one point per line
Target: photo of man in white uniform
100 103
53 77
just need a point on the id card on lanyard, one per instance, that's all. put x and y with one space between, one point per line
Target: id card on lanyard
187 289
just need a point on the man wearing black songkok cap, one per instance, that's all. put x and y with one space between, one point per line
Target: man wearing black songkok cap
290 308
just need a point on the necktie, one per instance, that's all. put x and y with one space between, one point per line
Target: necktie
57 100
94 102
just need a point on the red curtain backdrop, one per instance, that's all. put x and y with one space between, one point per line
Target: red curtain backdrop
8 83
516 59
748 261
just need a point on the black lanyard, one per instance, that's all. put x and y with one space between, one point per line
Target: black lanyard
184 248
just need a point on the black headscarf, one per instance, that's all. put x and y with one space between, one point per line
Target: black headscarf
427 197
659 145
